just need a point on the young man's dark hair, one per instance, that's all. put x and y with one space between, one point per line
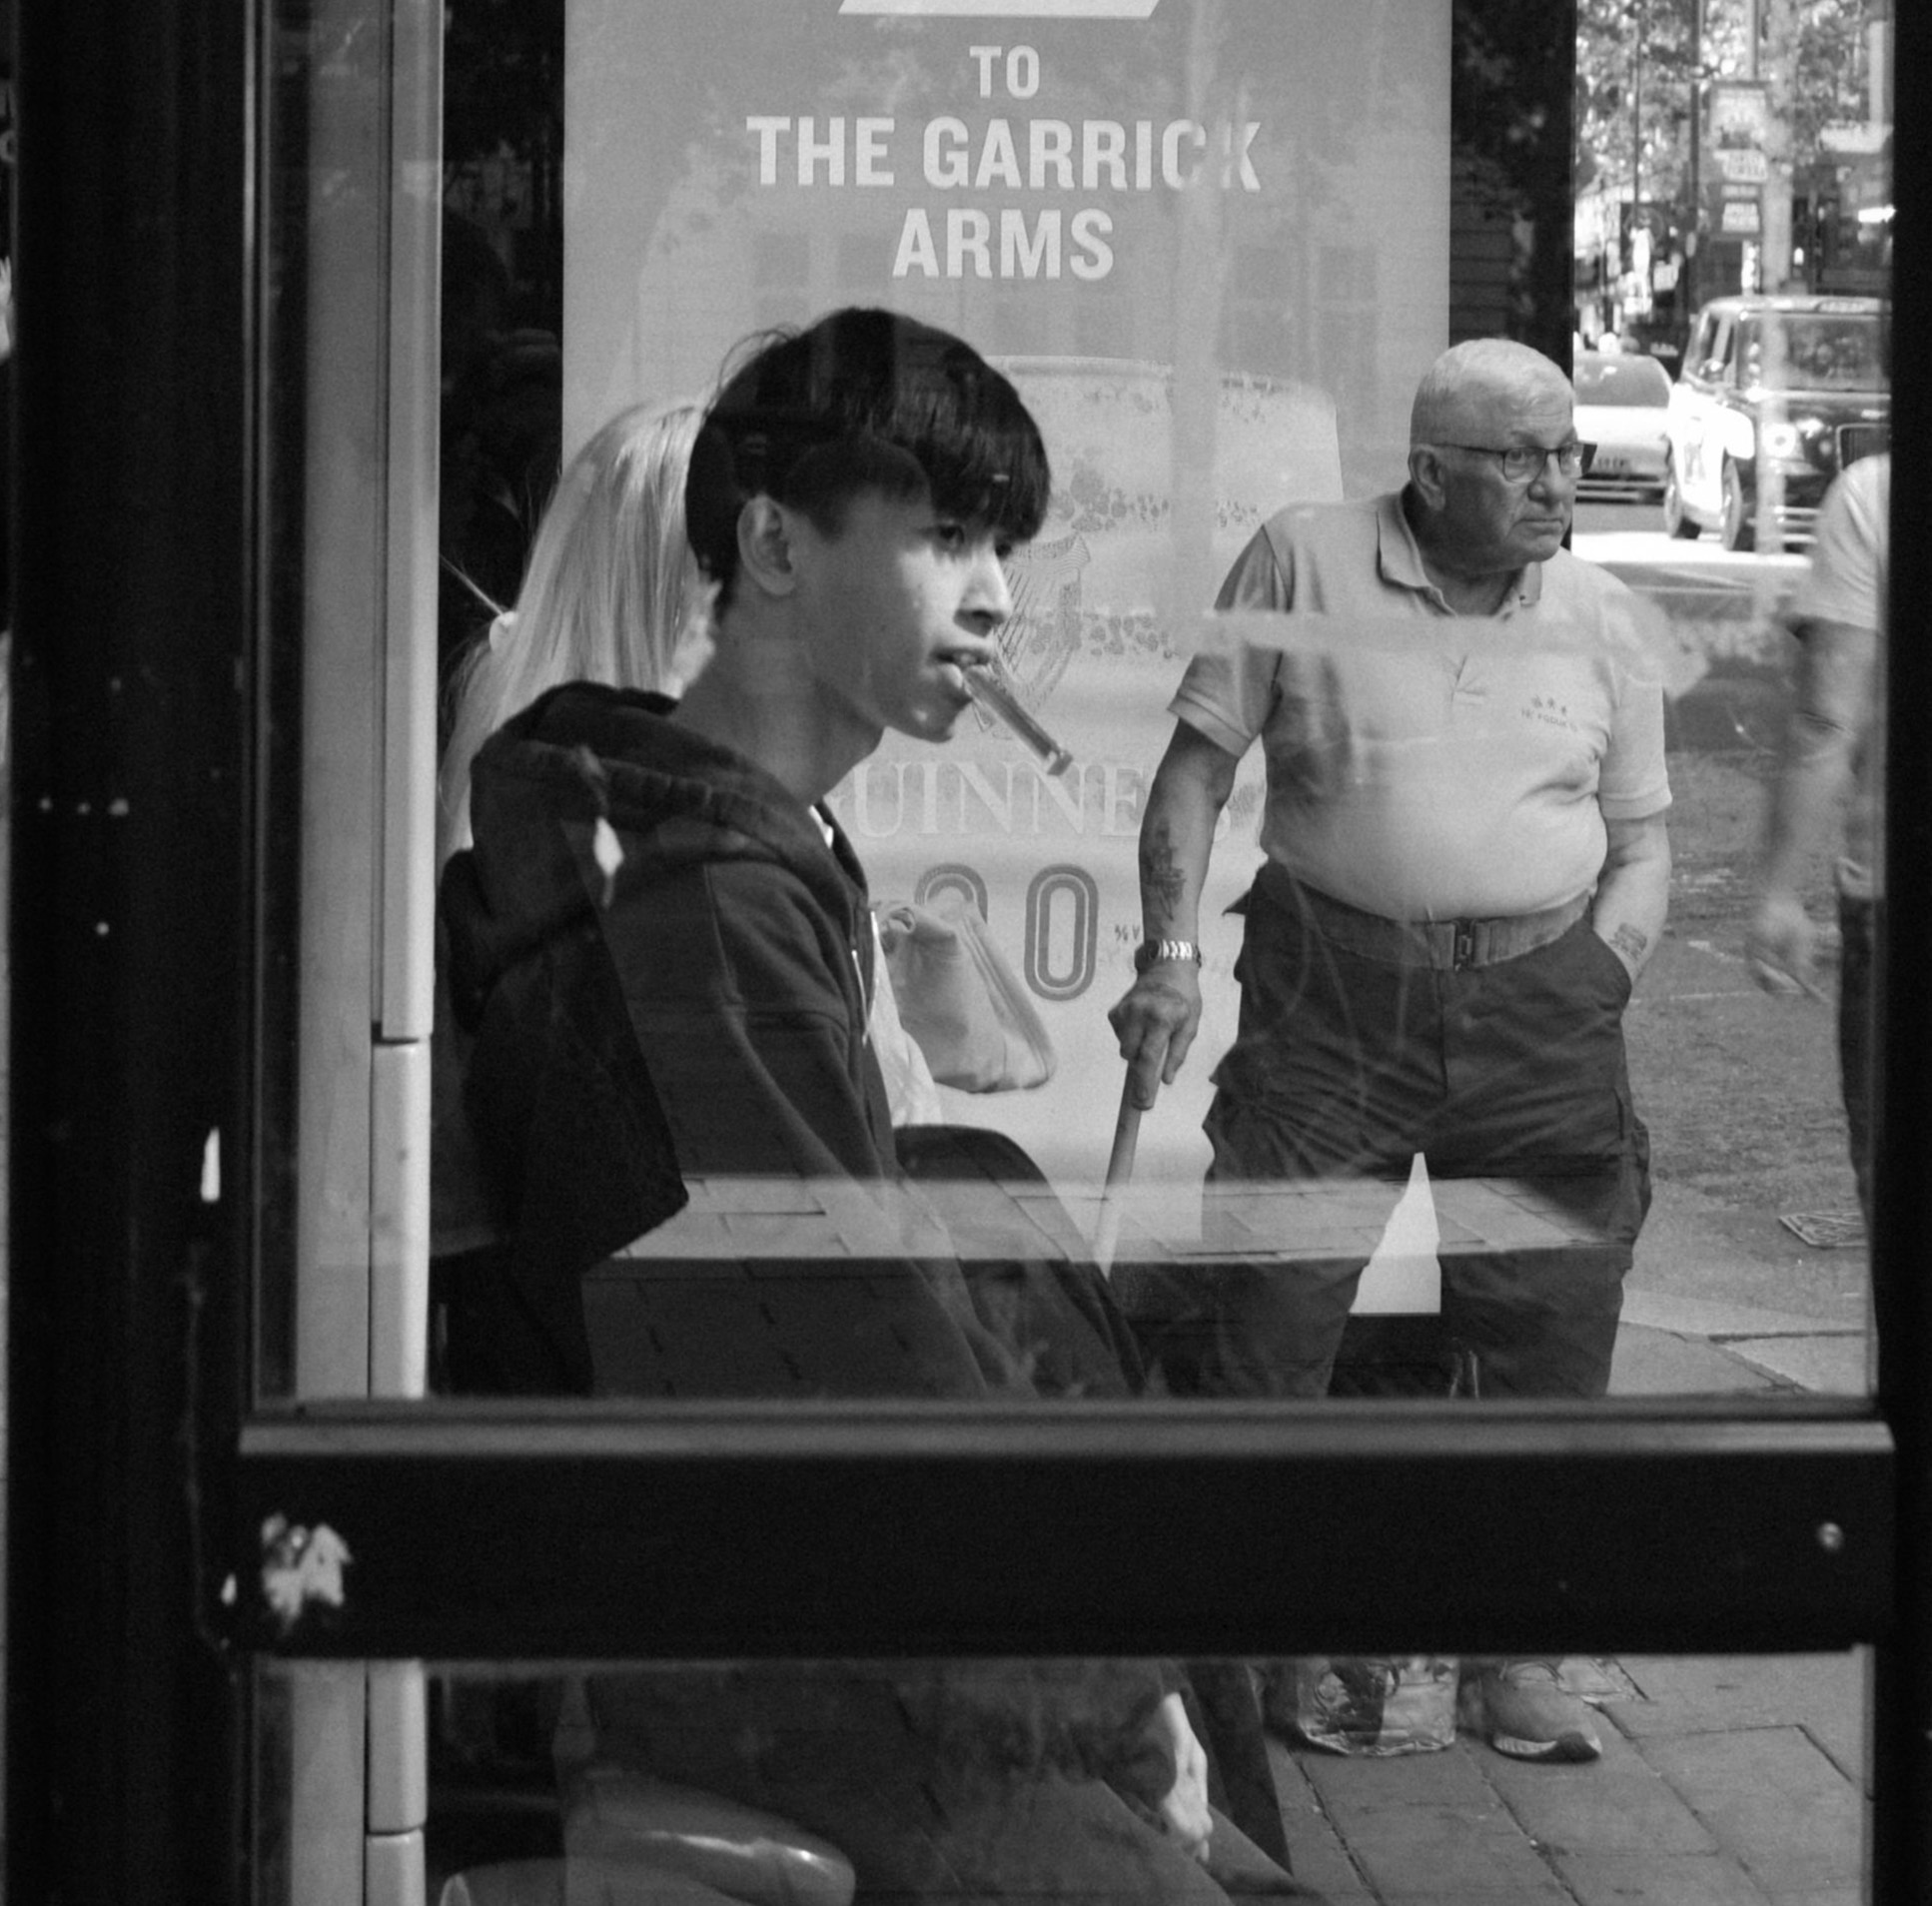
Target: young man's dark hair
863 399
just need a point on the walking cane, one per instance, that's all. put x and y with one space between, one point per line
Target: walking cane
1119 1172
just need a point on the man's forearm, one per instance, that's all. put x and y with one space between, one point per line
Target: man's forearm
1183 807
1634 891
1804 798
1832 707
1174 868
1157 1016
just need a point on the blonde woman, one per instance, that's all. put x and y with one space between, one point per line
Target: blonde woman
612 593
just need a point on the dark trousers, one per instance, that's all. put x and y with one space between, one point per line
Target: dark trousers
1858 927
1344 1067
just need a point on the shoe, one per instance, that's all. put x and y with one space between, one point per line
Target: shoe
1521 1709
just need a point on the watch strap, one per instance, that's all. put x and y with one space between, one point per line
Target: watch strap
1157 952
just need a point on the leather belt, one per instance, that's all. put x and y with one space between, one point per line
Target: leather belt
1447 944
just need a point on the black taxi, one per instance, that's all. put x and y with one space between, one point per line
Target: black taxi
1776 395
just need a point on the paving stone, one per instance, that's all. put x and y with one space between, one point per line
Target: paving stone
1776 1801
1693 1694
1658 1879
1655 1363
1726 1781
1492 1894
1315 1849
1618 1804
1839 1315
1429 1830
1833 1365
1447 1777
1442 1854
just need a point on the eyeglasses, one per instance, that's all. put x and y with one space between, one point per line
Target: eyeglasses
1524 462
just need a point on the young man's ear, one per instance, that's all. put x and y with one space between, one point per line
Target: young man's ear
764 545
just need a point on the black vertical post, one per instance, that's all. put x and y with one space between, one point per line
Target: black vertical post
1902 1770
129 1009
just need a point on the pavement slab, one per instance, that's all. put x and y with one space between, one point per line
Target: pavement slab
1429 1828
1658 1879
1825 1366
1656 1363
1724 1268
1550 1892
1619 1804
1724 1781
1361 1783
1320 1860
1436 1856
1704 1317
1774 1800
1703 1694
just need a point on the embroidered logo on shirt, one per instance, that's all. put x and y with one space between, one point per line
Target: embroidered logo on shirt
1551 711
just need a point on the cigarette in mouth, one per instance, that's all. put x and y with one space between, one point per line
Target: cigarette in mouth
992 695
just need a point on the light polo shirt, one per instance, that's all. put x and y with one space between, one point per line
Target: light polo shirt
1845 586
1420 764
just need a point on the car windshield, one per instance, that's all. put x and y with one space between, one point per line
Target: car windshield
1822 351
1631 381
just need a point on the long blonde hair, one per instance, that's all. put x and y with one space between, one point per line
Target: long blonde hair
612 593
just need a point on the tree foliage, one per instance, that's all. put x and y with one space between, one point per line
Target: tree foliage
1639 61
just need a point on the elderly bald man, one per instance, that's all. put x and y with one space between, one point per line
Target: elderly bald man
1466 867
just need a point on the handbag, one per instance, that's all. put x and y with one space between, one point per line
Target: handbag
959 998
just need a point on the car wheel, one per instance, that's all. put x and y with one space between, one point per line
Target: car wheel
1675 519
1739 530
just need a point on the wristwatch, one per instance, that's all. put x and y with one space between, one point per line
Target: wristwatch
1154 952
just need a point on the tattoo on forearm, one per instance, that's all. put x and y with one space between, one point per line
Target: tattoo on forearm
1163 881
1629 942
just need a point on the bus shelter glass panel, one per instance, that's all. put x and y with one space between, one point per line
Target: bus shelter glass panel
1472 848
1738 1777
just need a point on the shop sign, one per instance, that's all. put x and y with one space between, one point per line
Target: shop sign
1863 138
1740 115
1215 266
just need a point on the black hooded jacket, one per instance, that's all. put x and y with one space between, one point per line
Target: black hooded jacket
661 965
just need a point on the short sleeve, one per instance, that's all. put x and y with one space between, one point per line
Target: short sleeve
1633 781
1845 581
1227 693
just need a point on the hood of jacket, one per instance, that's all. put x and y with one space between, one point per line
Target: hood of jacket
592 792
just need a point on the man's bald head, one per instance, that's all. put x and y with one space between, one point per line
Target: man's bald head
1471 383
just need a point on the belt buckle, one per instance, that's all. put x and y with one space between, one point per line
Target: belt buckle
1463 945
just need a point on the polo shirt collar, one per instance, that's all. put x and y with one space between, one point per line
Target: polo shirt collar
1399 559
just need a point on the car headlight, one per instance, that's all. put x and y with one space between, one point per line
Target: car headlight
1779 439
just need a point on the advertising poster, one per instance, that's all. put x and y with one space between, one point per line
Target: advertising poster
1208 239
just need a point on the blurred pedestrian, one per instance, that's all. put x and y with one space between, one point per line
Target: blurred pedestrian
1831 775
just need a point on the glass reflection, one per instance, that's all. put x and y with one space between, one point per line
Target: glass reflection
1269 178
1052 1780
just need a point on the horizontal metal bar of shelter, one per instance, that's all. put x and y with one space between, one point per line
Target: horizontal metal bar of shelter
548 1533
